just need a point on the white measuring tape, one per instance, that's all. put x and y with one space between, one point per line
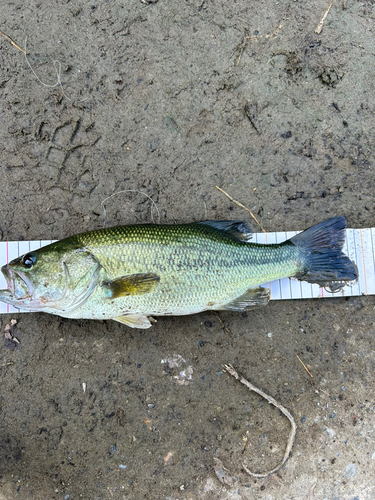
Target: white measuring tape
359 247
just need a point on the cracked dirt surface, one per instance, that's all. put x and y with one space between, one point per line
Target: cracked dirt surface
153 100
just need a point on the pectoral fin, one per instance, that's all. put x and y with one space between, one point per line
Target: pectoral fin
134 321
255 297
133 284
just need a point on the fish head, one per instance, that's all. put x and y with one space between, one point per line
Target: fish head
55 278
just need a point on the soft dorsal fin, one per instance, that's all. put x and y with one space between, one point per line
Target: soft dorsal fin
254 297
133 284
238 229
135 321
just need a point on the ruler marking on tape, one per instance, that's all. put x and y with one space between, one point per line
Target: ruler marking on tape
363 260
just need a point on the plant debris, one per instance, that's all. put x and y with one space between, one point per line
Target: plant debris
232 371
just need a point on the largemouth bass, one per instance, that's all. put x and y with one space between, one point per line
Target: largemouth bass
132 273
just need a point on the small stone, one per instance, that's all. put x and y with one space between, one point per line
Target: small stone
112 449
350 471
287 135
222 473
329 431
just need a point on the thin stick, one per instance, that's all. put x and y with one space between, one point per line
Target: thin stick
280 26
319 28
240 205
292 435
131 191
303 364
242 45
225 328
11 41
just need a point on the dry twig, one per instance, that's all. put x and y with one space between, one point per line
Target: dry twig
319 28
232 371
225 328
303 364
240 205
241 47
11 41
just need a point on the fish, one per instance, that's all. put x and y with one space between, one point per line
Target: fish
132 273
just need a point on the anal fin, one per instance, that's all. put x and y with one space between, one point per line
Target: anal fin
135 321
254 297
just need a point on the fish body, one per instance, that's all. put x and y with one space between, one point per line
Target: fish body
130 273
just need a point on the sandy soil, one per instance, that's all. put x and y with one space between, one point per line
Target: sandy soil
153 99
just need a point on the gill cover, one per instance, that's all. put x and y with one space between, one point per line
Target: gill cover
81 271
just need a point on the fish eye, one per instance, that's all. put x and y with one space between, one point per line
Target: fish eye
28 260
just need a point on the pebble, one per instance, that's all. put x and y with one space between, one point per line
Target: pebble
121 466
112 449
350 471
329 431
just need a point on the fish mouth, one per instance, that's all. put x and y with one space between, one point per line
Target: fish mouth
18 283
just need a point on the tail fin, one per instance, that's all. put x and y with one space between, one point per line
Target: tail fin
323 261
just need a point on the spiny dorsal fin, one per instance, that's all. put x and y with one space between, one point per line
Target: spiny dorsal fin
255 297
133 284
135 321
238 229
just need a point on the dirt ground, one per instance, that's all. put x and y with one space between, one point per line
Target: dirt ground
171 98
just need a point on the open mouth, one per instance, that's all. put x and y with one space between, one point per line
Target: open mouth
18 283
